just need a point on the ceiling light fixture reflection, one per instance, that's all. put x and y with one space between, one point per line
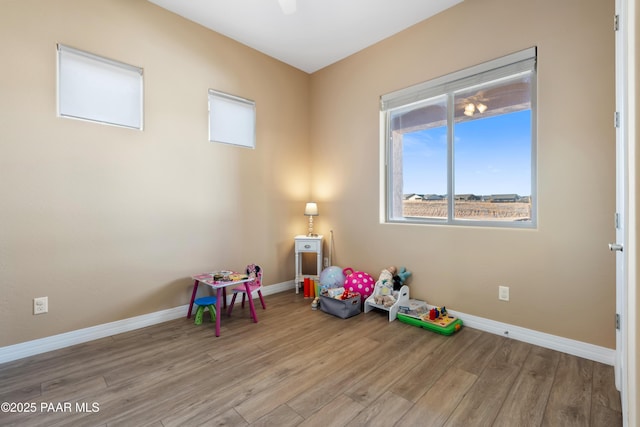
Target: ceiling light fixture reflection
470 108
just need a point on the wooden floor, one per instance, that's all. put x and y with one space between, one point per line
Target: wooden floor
303 367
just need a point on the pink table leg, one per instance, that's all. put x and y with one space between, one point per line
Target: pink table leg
254 316
218 312
193 297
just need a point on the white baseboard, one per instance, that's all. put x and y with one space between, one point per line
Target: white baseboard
553 342
55 342
67 339
278 287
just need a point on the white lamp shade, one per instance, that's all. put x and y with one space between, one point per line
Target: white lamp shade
311 209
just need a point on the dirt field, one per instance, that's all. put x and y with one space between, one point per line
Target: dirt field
469 210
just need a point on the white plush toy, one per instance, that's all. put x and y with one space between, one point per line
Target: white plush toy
384 287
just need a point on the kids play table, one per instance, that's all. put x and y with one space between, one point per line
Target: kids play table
213 279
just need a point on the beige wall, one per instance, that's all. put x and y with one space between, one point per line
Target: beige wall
561 275
108 222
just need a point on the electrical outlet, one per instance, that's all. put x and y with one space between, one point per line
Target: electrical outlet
326 262
503 293
40 305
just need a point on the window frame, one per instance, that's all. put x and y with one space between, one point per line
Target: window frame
508 66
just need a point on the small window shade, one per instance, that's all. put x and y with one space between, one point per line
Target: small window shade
231 119
98 89
509 65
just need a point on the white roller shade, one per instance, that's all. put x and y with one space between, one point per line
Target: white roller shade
98 89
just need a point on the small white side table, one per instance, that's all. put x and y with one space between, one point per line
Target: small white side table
307 244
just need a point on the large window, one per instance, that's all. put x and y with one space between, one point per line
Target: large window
460 149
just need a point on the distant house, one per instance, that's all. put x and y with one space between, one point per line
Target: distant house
467 197
432 197
414 197
504 198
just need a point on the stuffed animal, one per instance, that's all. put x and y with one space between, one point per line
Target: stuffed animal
386 300
404 274
384 288
400 278
385 282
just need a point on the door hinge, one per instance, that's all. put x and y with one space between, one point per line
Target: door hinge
616 119
616 23
617 321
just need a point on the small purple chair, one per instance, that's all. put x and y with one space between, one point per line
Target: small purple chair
254 271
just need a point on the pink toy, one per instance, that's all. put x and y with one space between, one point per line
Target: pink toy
358 281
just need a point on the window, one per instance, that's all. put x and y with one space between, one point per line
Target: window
460 149
97 89
232 120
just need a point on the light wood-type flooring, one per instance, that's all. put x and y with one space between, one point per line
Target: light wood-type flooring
299 367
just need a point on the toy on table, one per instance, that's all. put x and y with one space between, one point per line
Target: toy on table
228 276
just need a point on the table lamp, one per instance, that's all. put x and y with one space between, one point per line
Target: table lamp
311 210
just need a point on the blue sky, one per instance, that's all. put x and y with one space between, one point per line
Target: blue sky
492 156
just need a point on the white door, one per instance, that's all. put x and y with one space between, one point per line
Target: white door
621 202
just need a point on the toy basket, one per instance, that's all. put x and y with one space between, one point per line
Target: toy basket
340 308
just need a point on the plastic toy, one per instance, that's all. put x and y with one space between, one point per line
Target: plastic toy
437 320
202 303
347 295
358 281
413 307
331 277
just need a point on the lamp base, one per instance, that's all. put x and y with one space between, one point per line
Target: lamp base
311 233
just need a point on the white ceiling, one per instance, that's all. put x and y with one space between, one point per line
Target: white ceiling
318 34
